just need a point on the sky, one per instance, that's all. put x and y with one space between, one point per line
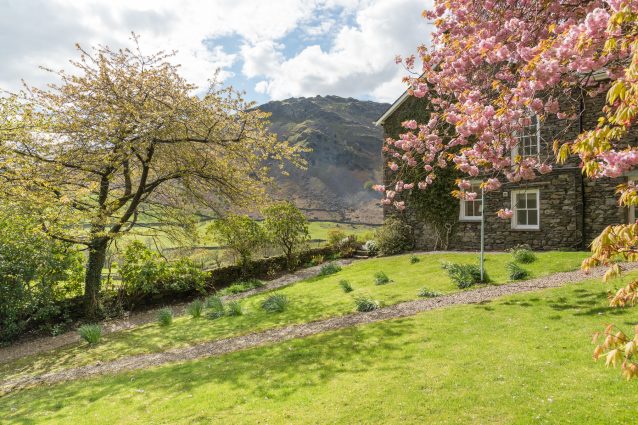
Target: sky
271 49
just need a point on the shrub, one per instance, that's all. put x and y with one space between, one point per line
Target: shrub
516 272
317 259
165 316
92 334
346 286
427 293
335 236
348 246
287 229
242 286
195 309
371 246
275 303
523 254
414 259
380 278
36 273
215 307
464 275
365 304
394 237
144 272
241 234
233 308
328 269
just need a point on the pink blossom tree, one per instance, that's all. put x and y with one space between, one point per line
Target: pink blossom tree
493 66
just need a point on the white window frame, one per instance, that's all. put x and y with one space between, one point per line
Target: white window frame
631 211
516 226
462 216
516 150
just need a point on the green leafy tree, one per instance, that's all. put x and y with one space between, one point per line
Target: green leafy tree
240 234
287 228
125 135
35 272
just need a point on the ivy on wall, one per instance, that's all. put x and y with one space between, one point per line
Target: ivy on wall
434 207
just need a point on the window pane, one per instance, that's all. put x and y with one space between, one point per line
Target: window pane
468 209
531 201
520 200
635 216
532 217
521 218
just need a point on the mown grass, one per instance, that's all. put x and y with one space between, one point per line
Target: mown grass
312 299
523 359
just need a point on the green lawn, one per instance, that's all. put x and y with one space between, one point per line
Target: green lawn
524 359
312 299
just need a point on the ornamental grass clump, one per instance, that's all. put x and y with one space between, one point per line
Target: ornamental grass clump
464 275
92 334
328 269
428 293
346 286
214 307
233 308
275 303
165 317
523 254
380 278
195 309
364 304
516 272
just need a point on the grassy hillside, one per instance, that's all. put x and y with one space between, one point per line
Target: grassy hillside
313 299
523 359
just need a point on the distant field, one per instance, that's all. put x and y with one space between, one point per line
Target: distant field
202 246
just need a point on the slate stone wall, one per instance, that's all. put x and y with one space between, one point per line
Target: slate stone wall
573 210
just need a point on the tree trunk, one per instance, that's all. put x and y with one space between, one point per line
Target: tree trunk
93 278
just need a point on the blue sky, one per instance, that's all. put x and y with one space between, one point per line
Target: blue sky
269 49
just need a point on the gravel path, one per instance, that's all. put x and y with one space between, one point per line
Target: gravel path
229 345
42 344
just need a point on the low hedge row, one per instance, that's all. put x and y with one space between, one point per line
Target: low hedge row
71 310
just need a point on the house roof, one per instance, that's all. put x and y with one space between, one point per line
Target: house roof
397 103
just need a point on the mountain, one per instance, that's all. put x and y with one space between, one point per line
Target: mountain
345 158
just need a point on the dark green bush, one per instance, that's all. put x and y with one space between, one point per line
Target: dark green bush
365 304
165 316
346 286
516 272
36 275
380 278
233 308
195 309
464 275
414 259
523 254
427 293
394 237
144 272
92 334
328 269
275 303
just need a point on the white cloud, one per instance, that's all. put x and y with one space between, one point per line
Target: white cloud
360 61
357 63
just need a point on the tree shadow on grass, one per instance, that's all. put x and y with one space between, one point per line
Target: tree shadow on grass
277 372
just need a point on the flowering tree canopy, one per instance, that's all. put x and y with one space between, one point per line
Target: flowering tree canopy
493 67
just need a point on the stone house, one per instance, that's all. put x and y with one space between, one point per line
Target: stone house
561 210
